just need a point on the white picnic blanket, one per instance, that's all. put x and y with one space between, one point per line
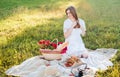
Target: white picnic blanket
37 67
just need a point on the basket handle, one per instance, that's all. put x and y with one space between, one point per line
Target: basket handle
63 45
55 40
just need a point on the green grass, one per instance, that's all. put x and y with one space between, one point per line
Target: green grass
24 22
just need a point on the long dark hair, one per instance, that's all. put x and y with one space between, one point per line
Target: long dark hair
73 12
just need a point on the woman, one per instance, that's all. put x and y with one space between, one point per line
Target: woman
73 28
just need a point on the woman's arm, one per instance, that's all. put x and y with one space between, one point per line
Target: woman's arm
69 31
83 32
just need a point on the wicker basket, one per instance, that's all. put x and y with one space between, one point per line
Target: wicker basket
51 54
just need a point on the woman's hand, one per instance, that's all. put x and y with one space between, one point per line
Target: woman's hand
83 33
74 24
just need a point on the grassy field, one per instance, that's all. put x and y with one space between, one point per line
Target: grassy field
24 22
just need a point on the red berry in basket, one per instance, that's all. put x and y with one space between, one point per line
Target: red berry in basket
47 42
54 45
60 43
41 41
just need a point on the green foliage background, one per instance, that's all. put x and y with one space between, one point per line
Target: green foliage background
24 22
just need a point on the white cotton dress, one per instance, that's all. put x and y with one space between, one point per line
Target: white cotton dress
76 45
37 67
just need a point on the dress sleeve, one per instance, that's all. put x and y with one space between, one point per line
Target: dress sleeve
83 25
65 26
